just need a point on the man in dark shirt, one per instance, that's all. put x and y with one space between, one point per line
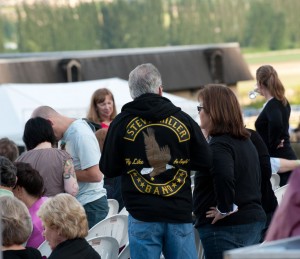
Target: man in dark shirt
153 145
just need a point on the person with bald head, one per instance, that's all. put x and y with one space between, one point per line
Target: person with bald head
77 138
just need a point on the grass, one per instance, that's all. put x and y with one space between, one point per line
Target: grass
272 56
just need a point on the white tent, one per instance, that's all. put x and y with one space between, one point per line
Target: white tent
17 101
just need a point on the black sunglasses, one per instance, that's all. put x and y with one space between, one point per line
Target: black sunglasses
199 108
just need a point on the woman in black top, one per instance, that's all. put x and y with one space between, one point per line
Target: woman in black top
227 203
65 228
272 123
268 198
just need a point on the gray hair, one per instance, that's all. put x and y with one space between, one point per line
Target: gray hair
16 221
144 79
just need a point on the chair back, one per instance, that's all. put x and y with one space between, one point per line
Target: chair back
115 226
275 180
106 247
199 247
280 192
125 254
124 212
113 206
45 249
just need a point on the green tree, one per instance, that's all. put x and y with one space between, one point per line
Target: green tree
133 24
259 23
277 38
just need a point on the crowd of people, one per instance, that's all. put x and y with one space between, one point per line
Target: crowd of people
143 157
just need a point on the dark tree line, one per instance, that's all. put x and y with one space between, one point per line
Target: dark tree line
257 24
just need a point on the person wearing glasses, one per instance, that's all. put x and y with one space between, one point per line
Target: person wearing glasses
227 203
153 145
272 124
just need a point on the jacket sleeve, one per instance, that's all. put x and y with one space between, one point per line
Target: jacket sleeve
223 176
263 155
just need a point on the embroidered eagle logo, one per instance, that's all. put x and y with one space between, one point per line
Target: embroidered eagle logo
158 157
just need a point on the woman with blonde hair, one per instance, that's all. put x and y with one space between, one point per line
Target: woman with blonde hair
102 108
16 228
65 228
272 124
227 203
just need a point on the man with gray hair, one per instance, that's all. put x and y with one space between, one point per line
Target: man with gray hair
80 142
154 145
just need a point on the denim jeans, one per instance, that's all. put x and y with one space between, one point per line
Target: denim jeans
217 239
96 211
149 239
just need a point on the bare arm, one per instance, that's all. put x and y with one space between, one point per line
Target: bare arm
91 174
70 181
288 165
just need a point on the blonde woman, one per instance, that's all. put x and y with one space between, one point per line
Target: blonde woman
65 228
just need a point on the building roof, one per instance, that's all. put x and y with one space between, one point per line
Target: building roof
182 67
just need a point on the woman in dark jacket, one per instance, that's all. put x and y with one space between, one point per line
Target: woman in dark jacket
227 203
66 227
268 198
272 124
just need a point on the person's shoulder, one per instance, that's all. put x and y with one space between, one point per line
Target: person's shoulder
33 253
274 103
61 154
28 252
79 126
25 155
223 140
93 125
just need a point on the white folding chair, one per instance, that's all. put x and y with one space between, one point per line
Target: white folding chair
193 177
125 254
280 192
275 181
106 247
113 207
199 247
115 226
124 212
45 249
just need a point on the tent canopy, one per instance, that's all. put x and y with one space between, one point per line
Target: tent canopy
17 101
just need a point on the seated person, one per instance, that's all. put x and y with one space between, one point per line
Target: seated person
9 149
30 189
8 176
16 228
65 228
